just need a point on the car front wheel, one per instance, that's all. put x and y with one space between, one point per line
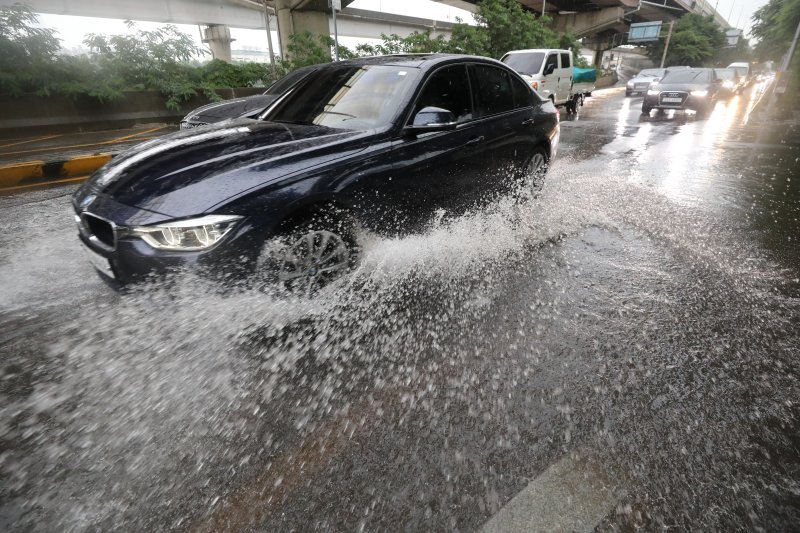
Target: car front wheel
313 253
646 109
535 171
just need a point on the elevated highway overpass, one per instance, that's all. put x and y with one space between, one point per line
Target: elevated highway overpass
604 23
285 17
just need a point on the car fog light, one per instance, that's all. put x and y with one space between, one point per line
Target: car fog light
193 234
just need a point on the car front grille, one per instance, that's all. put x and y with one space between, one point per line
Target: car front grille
669 98
100 229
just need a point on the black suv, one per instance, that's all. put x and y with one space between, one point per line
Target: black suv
383 143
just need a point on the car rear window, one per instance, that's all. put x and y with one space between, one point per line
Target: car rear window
525 63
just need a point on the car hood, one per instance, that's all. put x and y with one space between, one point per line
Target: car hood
230 108
193 171
685 87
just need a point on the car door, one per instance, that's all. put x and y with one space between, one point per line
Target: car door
427 174
503 109
550 81
565 76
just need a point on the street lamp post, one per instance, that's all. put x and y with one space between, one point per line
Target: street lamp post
335 5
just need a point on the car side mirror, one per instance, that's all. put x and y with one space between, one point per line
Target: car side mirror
433 119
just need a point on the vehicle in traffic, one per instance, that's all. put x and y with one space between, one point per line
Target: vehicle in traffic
695 89
249 106
732 83
642 81
552 73
382 143
744 69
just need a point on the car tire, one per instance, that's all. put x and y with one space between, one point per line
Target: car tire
312 252
628 93
646 109
536 170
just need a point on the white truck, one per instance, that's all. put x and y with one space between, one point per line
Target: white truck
551 72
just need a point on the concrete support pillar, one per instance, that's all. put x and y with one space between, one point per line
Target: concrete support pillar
297 16
598 58
219 40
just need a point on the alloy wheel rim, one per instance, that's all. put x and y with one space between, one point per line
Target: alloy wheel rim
535 168
313 260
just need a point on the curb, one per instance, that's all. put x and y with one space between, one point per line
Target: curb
31 173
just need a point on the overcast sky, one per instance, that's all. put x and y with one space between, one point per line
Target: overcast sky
72 29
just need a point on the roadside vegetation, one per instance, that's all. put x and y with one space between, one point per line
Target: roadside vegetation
169 61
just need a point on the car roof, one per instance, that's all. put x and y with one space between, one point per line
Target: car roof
421 61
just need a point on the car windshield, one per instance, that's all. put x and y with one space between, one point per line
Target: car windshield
283 84
686 76
346 97
525 63
742 71
657 73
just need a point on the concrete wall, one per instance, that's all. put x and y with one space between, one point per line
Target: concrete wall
31 114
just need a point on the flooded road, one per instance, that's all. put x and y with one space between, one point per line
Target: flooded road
635 325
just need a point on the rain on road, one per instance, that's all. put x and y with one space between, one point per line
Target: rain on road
640 315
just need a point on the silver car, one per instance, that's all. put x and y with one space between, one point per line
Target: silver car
641 82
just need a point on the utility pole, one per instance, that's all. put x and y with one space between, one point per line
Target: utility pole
335 5
544 5
269 42
666 45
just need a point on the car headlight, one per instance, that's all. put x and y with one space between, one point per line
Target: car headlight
728 84
653 92
535 85
700 93
186 235
630 83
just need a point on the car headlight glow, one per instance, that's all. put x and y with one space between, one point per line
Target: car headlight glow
630 83
186 235
700 93
728 84
653 92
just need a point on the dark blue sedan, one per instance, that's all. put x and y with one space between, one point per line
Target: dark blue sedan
383 143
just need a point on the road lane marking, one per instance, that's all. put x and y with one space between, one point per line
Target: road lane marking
135 134
125 139
574 494
46 137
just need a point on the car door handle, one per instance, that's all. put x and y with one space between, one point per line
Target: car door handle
474 141
528 122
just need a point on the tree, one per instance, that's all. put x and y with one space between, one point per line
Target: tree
503 25
773 27
696 40
26 51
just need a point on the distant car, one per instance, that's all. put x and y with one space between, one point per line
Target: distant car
695 89
382 143
249 106
732 83
745 71
642 81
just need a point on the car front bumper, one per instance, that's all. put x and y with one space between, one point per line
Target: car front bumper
687 102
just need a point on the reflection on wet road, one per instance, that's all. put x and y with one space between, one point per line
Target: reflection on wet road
640 315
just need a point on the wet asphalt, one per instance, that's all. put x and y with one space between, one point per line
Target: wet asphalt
642 313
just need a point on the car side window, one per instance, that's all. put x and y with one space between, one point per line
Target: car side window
447 88
492 89
523 95
565 61
552 59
